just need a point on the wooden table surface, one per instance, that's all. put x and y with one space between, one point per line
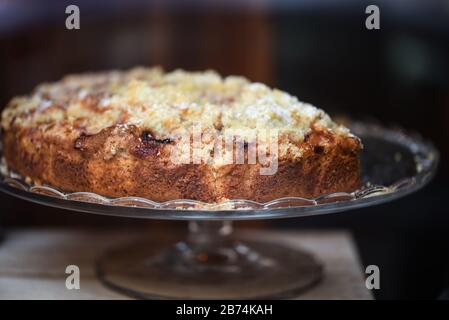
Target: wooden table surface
33 262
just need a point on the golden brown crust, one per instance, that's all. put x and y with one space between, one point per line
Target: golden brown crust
329 164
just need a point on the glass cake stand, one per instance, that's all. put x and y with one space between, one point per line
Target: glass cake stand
210 262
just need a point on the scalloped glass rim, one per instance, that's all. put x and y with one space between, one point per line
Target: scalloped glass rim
425 156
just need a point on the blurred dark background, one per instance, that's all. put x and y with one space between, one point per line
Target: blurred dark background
320 51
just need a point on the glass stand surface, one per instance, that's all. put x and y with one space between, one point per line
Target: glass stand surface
210 262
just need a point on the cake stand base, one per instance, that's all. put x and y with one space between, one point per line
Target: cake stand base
209 264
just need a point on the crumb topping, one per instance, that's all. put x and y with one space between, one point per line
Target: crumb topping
163 102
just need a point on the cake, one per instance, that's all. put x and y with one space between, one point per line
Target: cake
176 135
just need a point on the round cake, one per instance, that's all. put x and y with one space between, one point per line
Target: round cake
176 135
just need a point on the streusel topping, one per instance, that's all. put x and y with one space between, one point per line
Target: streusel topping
163 102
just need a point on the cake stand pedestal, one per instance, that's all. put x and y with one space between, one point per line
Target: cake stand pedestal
210 263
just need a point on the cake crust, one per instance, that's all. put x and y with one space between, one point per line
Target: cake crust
122 157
